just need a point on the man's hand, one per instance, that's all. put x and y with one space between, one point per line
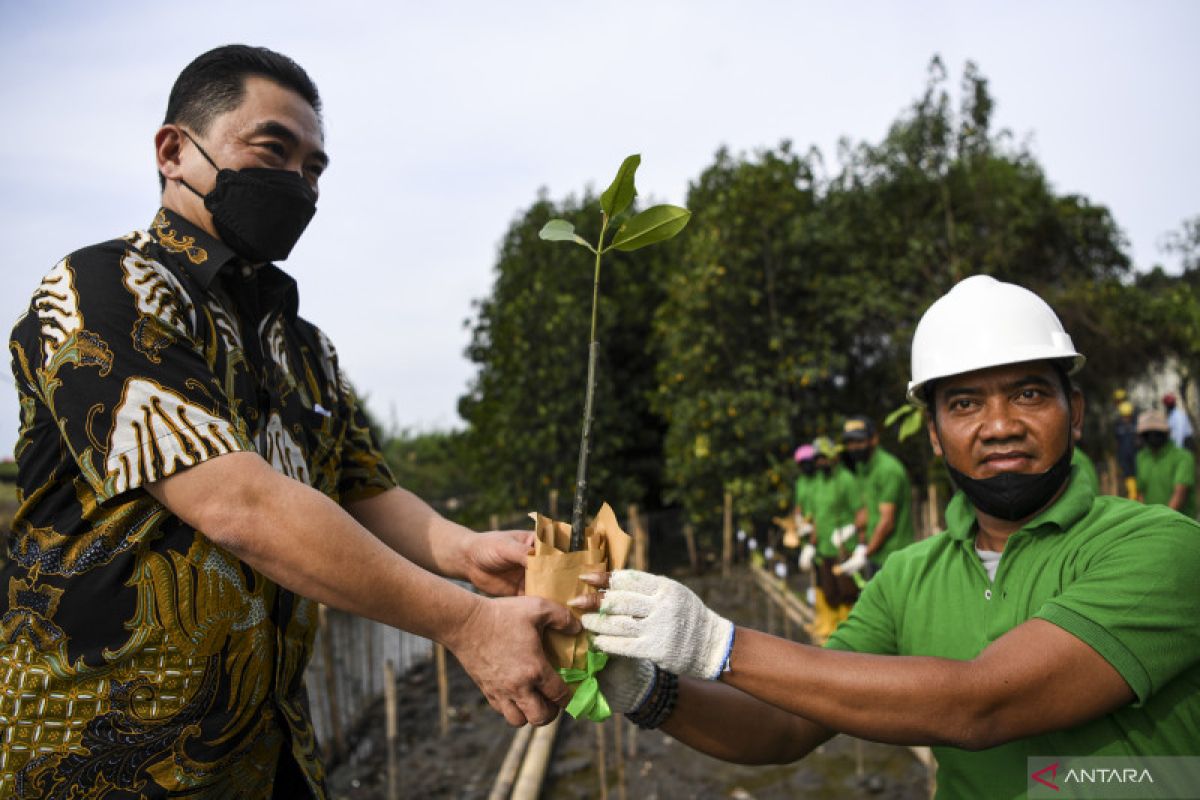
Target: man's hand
807 554
656 618
500 647
495 562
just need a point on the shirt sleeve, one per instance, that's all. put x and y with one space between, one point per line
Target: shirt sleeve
892 487
871 626
1135 605
363 470
109 347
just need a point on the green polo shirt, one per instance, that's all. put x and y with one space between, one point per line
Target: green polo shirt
804 486
1118 575
835 499
1085 469
1159 473
884 480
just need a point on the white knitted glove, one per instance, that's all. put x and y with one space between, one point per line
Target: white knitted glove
856 561
842 535
805 529
807 554
652 617
626 683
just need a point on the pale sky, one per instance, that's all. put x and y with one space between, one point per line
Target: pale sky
444 119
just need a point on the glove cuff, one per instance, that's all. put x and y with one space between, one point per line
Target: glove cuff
720 650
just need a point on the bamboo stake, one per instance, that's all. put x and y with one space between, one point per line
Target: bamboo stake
601 766
639 562
619 757
727 536
335 720
513 759
554 504
443 690
393 730
533 770
494 522
689 534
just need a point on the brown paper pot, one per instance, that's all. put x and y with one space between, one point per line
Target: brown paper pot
553 573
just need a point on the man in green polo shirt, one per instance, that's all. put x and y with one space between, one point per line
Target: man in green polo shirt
1166 473
886 494
1045 622
835 499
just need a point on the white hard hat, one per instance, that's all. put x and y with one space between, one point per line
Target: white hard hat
983 323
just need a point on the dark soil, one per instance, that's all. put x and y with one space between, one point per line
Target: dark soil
465 762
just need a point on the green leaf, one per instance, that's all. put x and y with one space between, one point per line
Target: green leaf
911 426
621 191
902 411
559 230
653 225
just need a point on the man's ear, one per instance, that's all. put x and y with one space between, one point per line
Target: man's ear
1076 408
934 441
168 149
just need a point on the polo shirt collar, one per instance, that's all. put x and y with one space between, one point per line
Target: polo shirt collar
1071 506
205 257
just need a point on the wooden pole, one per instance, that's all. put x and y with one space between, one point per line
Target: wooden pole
601 766
513 759
689 533
533 770
393 730
727 536
640 551
619 756
443 690
494 522
554 504
335 717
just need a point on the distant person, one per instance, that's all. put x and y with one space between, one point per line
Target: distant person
1045 621
887 495
197 474
1166 473
1125 431
836 500
806 461
1177 419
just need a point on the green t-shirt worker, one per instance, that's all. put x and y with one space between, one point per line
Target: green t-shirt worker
887 495
835 500
1166 473
1045 626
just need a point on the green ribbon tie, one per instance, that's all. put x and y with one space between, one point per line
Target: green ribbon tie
588 701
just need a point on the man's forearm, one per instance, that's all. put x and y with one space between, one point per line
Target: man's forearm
725 723
305 542
408 525
1179 496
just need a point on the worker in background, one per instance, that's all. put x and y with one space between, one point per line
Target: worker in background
836 500
1125 430
887 496
806 460
1178 422
1166 474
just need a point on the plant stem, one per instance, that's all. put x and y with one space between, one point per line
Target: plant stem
579 505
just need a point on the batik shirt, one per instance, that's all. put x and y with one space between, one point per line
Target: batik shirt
137 658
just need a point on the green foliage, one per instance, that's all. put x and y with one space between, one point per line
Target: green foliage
653 225
617 197
431 465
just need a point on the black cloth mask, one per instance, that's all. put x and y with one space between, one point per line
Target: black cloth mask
808 467
856 457
260 213
1014 495
1155 439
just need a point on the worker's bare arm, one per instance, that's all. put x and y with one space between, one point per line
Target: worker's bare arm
1026 682
883 528
728 724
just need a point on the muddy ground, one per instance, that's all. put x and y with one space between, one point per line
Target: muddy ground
464 764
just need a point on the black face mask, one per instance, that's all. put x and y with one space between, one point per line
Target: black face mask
856 457
825 468
260 213
1155 439
807 467
1013 495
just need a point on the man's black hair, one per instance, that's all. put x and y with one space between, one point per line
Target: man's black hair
215 82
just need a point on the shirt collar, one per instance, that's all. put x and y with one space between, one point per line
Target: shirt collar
204 257
1070 507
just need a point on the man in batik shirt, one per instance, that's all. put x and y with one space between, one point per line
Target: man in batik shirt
196 475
